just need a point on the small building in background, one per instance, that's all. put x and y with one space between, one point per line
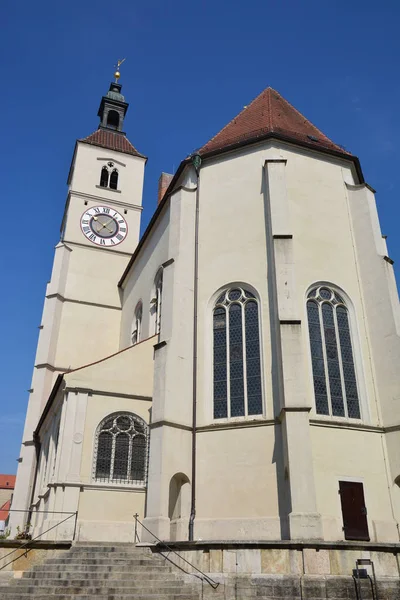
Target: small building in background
7 484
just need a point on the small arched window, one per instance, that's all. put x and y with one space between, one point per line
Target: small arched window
237 357
137 324
114 180
121 449
335 384
113 119
104 177
156 301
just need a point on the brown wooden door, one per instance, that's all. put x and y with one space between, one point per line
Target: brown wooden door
354 513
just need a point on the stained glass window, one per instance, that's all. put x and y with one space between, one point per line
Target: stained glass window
335 385
121 449
237 362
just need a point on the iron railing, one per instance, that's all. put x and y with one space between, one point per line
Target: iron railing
30 541
161 544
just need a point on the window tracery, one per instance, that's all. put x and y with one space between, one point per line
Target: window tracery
334 376
236 355
121 449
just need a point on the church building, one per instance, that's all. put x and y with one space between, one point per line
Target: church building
233 374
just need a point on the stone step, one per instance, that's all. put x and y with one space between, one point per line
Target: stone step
111 549
115 555
95 575
140 569
74 582
103 561
94 590
106 595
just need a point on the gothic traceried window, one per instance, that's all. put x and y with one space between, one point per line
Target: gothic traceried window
335 384
137 324
121 449
114 179
237 357
104 177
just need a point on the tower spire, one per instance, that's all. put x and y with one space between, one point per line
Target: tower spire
113 107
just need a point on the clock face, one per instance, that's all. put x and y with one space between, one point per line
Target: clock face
104 226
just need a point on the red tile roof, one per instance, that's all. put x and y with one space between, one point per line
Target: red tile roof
111 140
7 482
267 114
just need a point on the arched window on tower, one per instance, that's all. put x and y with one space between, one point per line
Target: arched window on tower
335 384
237 355
137 324
113 119
121 449
114 179
104 177
156 301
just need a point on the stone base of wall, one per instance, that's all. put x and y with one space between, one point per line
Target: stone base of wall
295 570
16 559
306 587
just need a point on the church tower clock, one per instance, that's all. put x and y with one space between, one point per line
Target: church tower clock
99 233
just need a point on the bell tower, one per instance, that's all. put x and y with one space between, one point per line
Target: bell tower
113 108
99 232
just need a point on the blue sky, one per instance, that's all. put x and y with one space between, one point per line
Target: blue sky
190 68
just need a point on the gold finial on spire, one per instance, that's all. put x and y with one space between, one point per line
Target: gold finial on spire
117 74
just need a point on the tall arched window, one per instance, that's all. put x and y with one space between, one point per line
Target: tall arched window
137 323
121 449
335 384
104 177
113 119
237 357
114 180
156 301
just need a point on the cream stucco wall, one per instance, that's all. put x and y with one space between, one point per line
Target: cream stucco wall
81 315
139 287
276 219
313 210
350 455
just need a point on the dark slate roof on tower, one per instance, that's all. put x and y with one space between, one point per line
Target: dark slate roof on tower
111 140
266 115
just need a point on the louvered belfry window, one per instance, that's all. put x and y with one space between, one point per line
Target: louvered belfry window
237 357
121 449
334 376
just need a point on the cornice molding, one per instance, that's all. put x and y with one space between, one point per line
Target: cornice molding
96 198
96 304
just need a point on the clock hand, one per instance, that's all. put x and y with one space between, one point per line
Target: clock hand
103 224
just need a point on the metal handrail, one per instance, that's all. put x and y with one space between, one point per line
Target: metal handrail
214 584
26 545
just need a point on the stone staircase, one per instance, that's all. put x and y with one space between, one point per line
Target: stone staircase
106 571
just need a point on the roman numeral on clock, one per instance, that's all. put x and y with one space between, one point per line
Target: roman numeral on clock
92 237
106 210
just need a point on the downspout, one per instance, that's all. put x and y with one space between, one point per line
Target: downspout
196 162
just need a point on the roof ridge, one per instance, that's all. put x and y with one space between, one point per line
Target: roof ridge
236 116
301 115
113 140
267 114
